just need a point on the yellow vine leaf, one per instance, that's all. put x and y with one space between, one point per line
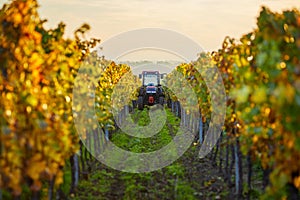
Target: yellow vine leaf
259 95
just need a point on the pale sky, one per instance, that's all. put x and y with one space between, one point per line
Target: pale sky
207 22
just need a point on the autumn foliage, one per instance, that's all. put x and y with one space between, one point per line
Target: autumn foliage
38 67
38 71
261 76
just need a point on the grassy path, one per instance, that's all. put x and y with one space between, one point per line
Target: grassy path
187 178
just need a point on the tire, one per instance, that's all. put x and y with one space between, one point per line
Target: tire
140 103
161 101
169 103
134 104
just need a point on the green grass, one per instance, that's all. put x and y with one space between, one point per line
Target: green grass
139 145
166 183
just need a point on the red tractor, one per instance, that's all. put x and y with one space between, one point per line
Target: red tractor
151 92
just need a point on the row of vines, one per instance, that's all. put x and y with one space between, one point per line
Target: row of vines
38 139
260 72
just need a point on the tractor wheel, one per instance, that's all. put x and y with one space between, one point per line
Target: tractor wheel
140 103
161 101
169 103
